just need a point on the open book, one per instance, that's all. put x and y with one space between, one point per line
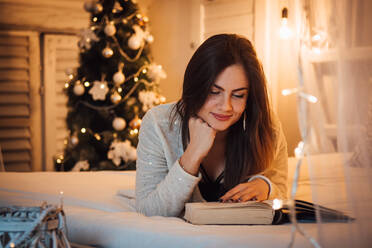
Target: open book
260 213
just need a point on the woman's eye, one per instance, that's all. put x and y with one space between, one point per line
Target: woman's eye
215 92
238 96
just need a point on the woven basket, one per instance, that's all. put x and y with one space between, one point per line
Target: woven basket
42 226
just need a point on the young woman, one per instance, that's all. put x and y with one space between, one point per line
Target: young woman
219 142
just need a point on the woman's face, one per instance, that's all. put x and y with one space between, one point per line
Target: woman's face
227 99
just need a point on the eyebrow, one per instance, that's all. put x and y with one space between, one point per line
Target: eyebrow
239 89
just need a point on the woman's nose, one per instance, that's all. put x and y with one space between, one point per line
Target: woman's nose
226 103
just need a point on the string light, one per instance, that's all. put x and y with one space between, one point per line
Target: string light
308 97
299 150
133 131
83 130
120 89
277 204
135 79
285 32
67 85
97 136
86 84
144 71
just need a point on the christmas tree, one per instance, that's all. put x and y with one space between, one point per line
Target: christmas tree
115 84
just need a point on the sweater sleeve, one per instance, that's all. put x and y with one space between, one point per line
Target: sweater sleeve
159 190
278 171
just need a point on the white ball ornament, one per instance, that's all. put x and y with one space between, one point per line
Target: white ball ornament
79 89
107 52
110 29
134 42
119 124
118 78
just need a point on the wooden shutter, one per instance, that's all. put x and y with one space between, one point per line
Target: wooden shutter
20 115
226 16
60 52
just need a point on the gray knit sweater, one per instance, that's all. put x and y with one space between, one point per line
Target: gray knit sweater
162 186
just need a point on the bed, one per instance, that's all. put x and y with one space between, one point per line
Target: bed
100 212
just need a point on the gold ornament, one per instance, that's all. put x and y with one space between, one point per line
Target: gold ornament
107 52
97 8
115 97
110 29
135 123
117 8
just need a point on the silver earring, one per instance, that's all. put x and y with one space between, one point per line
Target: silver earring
244 117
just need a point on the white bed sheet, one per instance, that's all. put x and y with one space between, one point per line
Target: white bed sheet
97 215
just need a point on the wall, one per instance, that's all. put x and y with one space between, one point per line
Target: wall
279 62
66 16
170 24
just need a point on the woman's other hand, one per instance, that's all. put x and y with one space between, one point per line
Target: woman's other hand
201 140
256 189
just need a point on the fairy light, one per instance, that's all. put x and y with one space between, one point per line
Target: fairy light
115 135
162 99
120 89
83 130
59 159
306 96
67 85
102 86
97 136
144 71
135 79
139 16
86 84
65 141
299 150
287 92
285 32
61 198
133 131
316 37
145 19
95 19
277 204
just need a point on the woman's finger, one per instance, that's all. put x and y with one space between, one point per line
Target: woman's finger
249 196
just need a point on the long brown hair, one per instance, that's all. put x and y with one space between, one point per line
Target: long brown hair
248 151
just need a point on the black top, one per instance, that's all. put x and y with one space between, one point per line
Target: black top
209 189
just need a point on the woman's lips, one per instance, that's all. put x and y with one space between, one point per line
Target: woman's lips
221 117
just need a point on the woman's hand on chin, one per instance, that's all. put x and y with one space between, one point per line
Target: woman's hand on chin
201 140
256 189
202 136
